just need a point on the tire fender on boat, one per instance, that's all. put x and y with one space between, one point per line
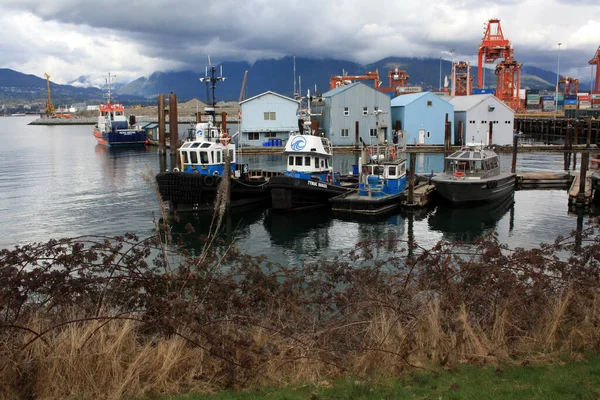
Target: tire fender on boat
175 169
328 179
209 180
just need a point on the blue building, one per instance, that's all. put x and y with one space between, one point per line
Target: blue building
355 111
268 118
423 117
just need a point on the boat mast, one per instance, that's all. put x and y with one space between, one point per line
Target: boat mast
212 79
108 81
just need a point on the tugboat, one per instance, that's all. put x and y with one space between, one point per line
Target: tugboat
382 177
472 175
207 157
113 128
309 181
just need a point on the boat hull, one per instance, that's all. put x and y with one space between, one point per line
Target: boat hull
296 194
354 203
473 191
197 192
120 137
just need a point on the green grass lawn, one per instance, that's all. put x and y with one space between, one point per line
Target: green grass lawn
572 380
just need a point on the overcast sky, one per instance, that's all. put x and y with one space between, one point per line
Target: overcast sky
133 38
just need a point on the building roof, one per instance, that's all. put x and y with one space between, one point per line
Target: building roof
406 99
340 89
269 92
466 103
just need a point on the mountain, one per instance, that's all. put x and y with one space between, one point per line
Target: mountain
271 74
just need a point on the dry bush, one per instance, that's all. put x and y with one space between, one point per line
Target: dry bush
122 317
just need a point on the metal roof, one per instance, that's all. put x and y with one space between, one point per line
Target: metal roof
340 89
269 92
406 99
466 103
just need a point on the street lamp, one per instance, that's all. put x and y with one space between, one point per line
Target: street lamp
557 75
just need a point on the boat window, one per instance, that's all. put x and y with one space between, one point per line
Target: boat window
402 169
212 157
186 145
204 157
379 170
456 154
186 158
476 165
307 161
194 157
322 163
466 154
218 156
205 145
494 162
477 155
326 163
370 169
194 145
391 171
291 160
316 162
299 160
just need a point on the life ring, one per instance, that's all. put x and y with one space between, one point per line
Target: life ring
459 174
328 179
393 153
209 180
175 169
224 138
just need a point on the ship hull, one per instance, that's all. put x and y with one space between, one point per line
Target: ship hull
296 194
473 191
125 137
197 192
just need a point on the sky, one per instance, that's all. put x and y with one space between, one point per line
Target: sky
134 38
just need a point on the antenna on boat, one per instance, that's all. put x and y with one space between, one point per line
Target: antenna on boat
212 79
108 81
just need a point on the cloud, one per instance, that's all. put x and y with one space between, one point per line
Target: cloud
135 38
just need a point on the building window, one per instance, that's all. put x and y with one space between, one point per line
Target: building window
373 132
270 134
429 103
270 116
344 132
365 111
253 136
375 110
346 112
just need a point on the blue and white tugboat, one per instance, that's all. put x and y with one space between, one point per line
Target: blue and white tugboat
309 181
382 177
207 157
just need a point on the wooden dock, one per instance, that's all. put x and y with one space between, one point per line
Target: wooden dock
544 180
422 196
578 199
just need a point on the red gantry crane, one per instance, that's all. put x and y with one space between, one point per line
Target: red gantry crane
340 80
596 61
462 81
494 46
398 79
569 85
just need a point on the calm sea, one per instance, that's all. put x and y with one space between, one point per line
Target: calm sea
56 182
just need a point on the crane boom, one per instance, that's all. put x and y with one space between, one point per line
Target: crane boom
243 89
49 105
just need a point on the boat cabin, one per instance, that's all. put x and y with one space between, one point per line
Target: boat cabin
204 151
308 153
472 161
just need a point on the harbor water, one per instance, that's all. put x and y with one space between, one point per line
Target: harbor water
56 182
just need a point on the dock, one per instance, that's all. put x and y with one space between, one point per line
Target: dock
580 196
422 196
544 180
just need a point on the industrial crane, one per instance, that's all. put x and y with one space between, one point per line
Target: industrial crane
596 61
340 80
494 46
569 85
49 105
462 81
398 79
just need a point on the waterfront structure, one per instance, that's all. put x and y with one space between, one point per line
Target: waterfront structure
483 118
423 117
355 111
267 119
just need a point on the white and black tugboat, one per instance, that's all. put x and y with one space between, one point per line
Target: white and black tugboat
203 165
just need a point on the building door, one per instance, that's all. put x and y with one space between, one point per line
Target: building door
381 135
421 136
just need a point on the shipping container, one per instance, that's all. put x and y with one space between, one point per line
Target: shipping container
570 106
595 96
545 98
533 91
532 102
570 97
570 102
484 91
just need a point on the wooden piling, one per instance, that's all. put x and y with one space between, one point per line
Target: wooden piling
162 136
447 136
173 127
588 143
460 133
411 178
224 121
585 159
513 167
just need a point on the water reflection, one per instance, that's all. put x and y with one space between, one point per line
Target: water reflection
468 223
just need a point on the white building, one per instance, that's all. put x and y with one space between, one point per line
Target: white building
481 117
267 119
